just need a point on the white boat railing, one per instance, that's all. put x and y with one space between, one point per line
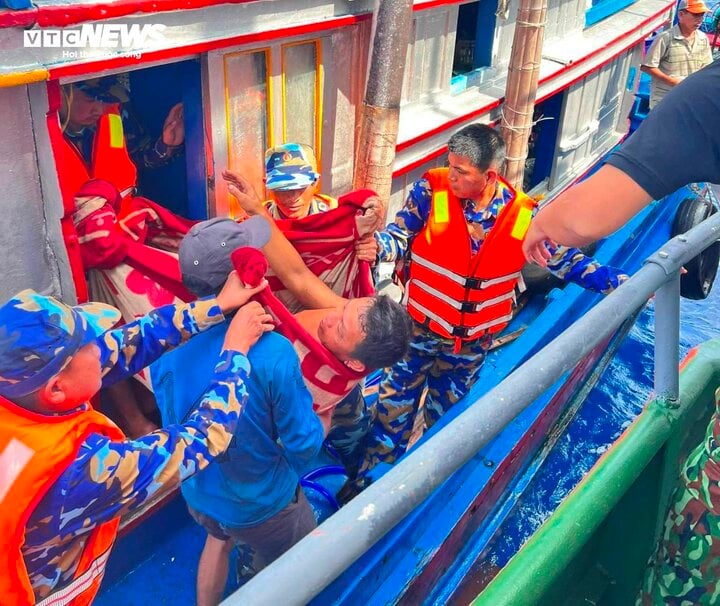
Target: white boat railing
318 559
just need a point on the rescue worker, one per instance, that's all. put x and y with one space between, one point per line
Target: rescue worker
460 234
683 566
67 473
86 102
291 177
104 140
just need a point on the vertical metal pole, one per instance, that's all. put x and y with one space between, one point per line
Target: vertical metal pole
667 339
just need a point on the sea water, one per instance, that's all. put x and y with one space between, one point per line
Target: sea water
617 399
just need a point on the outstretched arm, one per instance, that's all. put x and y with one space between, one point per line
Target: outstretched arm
284 260
585 213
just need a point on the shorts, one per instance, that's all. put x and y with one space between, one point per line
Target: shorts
271 538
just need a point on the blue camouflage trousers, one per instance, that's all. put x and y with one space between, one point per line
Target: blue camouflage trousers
350 422
430 362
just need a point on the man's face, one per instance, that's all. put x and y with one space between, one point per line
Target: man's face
467 181
341 329
294 203
80 380
690 22
84 110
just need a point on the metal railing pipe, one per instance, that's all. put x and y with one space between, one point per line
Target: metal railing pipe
667 338
318 559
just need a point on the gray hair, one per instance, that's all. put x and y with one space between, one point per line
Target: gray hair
481 144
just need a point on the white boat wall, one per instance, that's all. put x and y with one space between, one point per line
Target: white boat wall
264 72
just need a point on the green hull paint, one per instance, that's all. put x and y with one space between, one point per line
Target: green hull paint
594 548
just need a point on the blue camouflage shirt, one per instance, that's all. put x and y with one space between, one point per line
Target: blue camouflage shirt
569 264
109 479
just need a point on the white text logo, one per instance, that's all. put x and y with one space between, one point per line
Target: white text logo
100 36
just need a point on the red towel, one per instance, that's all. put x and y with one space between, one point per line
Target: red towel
327 378
326 243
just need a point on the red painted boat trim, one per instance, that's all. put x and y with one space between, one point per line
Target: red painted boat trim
67 226
434 4
585 58
204 47
419 162
449 124
26 18
63 15
410 142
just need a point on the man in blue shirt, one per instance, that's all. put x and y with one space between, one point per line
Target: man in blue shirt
252 494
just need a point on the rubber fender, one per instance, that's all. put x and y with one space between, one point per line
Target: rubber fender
539 280
698 281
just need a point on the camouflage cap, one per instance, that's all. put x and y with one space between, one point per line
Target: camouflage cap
290 166
205 251
107 89
39 335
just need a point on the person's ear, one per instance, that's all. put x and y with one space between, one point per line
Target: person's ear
492 176
355 365
52 392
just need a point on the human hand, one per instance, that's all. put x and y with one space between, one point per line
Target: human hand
366 249
248 325
245 193
535 246
173 133
375 206
235 294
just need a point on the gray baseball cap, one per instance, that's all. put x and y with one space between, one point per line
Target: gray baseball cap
205 251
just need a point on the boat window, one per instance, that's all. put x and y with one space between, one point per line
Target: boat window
247 95
301 94
473 43
597 10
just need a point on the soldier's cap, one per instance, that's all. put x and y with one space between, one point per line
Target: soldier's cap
290 166
205 251
693 6
107 89
40 334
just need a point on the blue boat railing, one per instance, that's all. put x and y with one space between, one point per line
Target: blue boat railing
313 563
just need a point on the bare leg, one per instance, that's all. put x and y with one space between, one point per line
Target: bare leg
212 571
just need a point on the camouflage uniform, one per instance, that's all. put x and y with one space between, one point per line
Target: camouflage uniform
350 423
107 479
293 167
685 568
431 361
290 166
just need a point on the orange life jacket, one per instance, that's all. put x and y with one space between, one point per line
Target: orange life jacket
451 291
110 160
35 450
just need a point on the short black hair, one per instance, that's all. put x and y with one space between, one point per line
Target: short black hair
387 327
481 144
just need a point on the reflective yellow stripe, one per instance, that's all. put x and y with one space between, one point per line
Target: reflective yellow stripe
440 206
522 224
116 131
